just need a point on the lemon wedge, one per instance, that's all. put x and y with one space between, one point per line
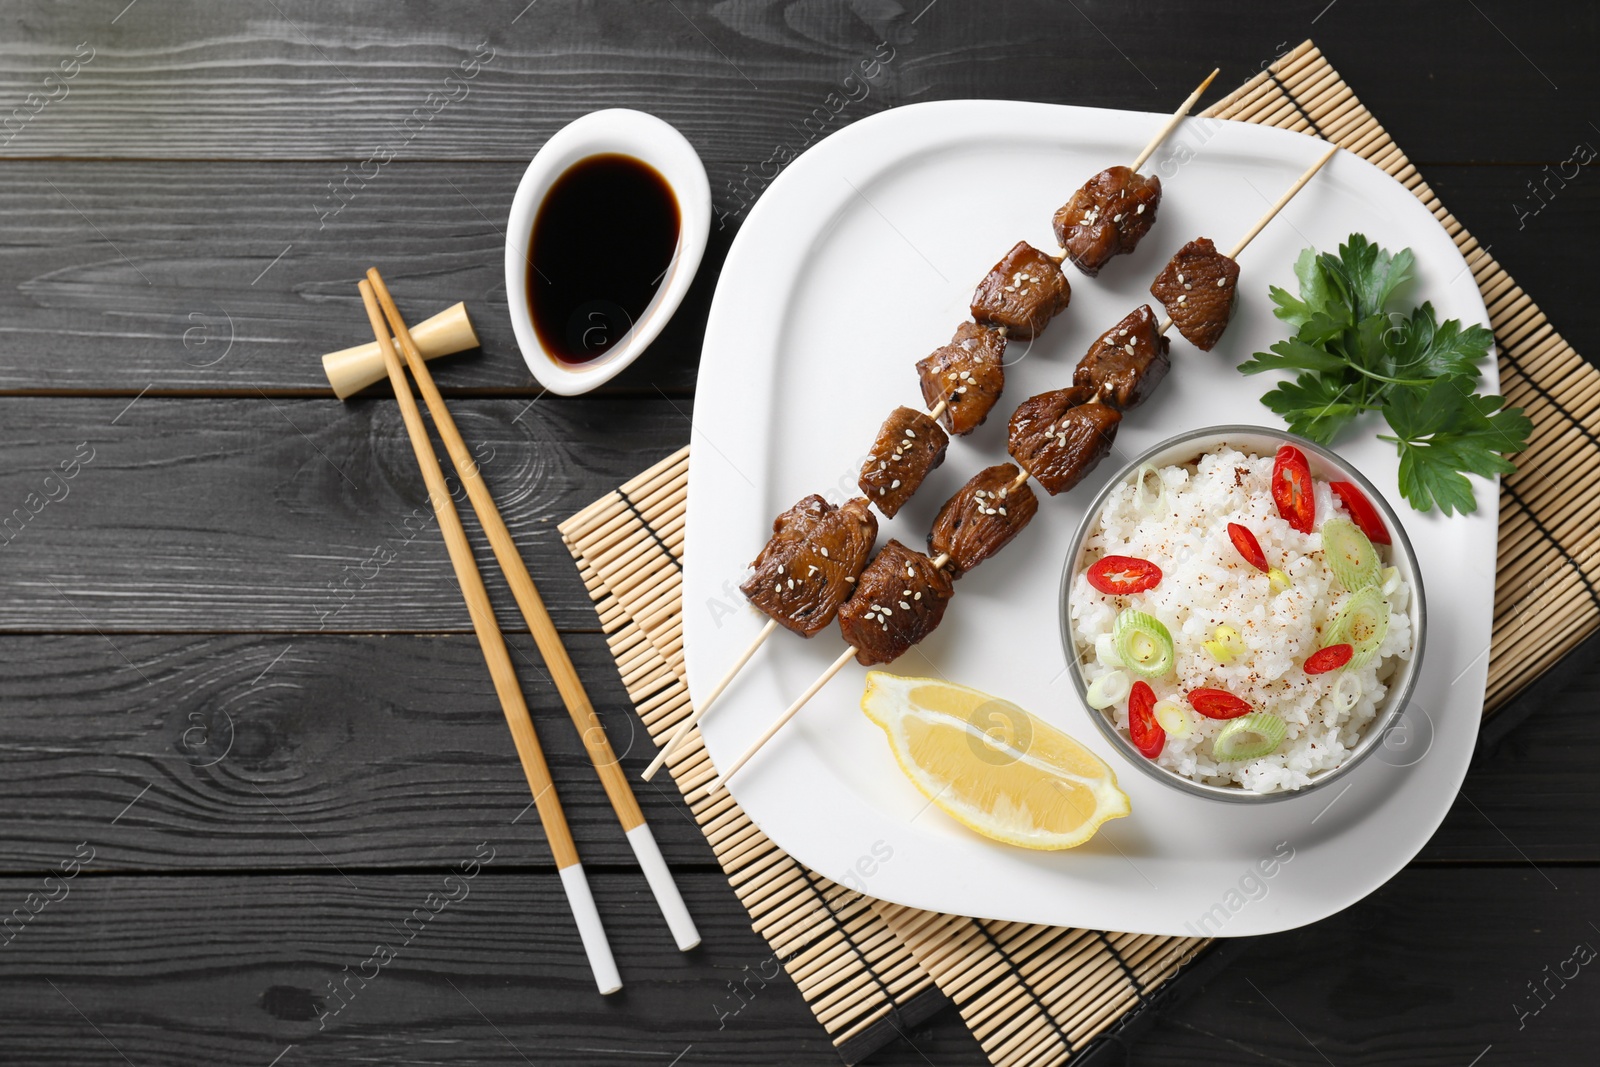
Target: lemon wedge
992 766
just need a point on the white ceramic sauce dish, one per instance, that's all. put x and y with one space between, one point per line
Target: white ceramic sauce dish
648 139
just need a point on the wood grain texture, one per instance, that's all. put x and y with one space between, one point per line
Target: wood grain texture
175 196
184 78
164 276
237 968
290 515
1429 971
222 277
235 752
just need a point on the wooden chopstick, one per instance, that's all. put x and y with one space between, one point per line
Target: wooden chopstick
493 644
545 635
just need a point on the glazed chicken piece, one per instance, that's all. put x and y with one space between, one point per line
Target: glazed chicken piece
968 374
982 518
909 445
1059 436
807 569
1022 292
1198 288
899 600
1107 217
1128 361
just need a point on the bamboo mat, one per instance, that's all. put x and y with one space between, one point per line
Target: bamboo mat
1038 995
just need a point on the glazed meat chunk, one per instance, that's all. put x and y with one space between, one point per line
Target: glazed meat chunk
899 600
1128 361
1107 217
909 445
968 374
805 571
982 518
1022 292
1060 436
1198 288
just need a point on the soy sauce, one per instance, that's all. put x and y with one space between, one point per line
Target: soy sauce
602 242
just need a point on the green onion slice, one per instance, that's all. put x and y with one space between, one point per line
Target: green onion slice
1108 689
1144 643
1249 737
1350 554
1149 491
1363 623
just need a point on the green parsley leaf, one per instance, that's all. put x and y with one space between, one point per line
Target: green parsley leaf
1314 406
1446 429
1351 354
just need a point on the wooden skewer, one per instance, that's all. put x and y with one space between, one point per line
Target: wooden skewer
700 710
1021 478
545 635
1288 195
498 659
793 709
1171 124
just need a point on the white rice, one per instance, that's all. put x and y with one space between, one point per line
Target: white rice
1206 583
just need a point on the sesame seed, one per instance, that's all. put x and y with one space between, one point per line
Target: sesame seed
1122 333
778 588
910 433
1221 282
850 579
885 627
917 597
812 571
1181 299
824 553
791 583
903 604
1140 211
1180 279
895 484
1116 218
1186 285
886 611
880 490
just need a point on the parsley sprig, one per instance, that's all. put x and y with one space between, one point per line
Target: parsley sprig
1353 355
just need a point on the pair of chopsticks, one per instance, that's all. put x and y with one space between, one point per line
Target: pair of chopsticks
380 306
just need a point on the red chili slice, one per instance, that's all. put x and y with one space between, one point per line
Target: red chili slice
1148 736
1248 546
1291 488
1122 575
1362 513
1217 704
1328 659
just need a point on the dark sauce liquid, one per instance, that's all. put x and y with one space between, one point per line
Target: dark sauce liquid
602 242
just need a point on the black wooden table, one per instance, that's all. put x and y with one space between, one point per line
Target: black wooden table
244 727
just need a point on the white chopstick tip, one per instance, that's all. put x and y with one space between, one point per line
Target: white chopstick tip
668 899
590 929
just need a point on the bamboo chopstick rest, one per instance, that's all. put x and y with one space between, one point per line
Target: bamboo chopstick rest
351 370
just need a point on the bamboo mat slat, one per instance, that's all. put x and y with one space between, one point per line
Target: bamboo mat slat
1032 995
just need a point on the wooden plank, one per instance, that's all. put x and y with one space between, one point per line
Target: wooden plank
215 278
429 967
222 278
1430 971
247 751
289 515
236 751
301 79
